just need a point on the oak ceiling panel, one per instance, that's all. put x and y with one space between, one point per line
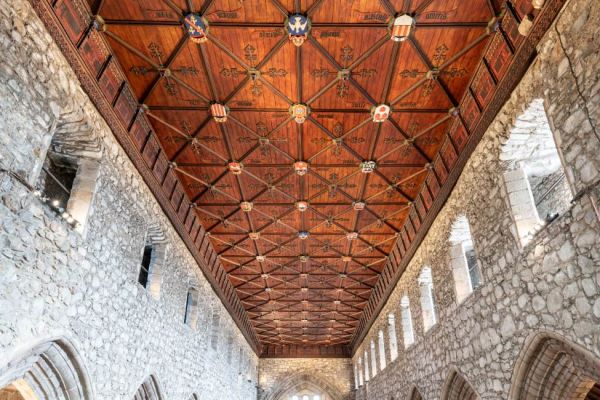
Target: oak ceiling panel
313 149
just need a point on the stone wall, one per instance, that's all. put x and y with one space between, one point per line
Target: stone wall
278 375
549 285
59 283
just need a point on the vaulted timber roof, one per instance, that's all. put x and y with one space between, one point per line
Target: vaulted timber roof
303 255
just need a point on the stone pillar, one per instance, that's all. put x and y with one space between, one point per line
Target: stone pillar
521 203
460 272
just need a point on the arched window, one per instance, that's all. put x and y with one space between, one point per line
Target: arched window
305 394
229 348
457 387
416 395
407 325
392 337
381 339
148 390
240 361
535 180
214 337
191 308
373 359
427 301
49 370
367 375
356 382
465 267
551 368
360 372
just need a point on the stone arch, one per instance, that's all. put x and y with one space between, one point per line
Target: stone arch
148 390
457 387
415 394
50 370
303 381
550 367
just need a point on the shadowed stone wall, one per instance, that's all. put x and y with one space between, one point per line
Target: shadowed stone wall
553 282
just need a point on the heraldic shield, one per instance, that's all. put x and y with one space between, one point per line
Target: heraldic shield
380 113
298 27
196 27
299 112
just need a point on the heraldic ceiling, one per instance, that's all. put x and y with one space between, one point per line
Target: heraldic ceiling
301 148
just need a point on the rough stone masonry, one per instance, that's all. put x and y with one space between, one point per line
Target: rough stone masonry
552 283
56 282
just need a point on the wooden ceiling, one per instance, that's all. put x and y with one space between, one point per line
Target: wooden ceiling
313 278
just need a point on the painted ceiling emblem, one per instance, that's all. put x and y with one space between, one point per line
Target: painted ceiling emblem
299 112
235 168
303 235
196 27
381 113
261 258
246 206
366 167
352 235
358 205
302 206
401 27
301 167
219 112
298 27
254 235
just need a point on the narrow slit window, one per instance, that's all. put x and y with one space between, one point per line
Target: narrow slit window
427 301
188 306
373 359
214 338
367 375
463 259
146 265
393 337
407 325
360 372
382 360
191 308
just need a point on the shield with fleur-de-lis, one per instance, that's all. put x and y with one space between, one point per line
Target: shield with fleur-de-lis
196 27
